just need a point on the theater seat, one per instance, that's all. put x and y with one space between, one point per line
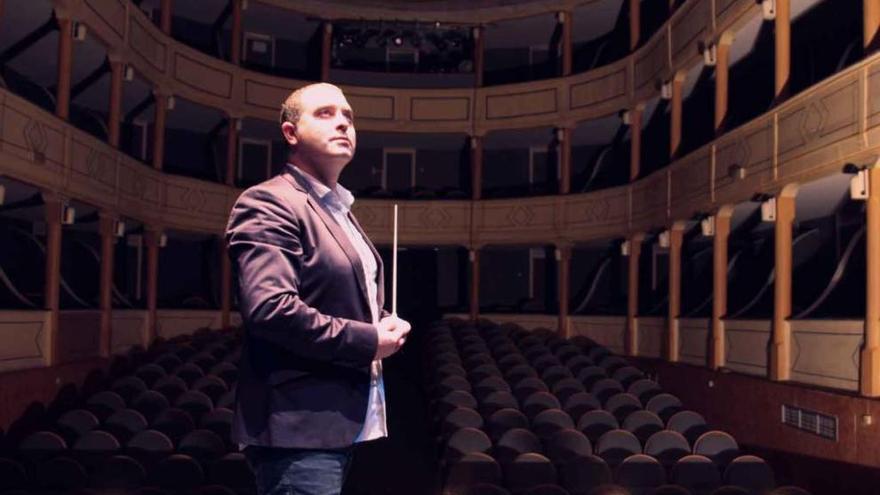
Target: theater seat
718 446
528 471
640 474
750 472
471 469
581 475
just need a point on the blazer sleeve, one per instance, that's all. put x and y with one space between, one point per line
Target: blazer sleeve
263 240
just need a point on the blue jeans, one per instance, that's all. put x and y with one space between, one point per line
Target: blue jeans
280 471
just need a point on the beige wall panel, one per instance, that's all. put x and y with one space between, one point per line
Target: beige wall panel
26 339
600 90
174 322
750 147
33 136
510 103
79 335
505 219
691 182
649 200
826 353
651 65
873 75
650 339
425 108
93 169
200 76
595 215
746 345
111 13
693 340
145 40
819 118
605 330
129 329
418 222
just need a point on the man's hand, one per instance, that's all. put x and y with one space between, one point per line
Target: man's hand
392 335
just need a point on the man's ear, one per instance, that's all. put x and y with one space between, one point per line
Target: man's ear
288 130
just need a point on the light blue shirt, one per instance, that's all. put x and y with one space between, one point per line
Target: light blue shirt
338 202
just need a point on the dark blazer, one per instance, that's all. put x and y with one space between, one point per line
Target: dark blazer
304 374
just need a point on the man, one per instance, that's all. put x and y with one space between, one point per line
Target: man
311 290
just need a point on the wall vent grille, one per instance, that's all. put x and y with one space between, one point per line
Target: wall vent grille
814 422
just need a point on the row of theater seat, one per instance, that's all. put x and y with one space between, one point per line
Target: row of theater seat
157 422
529 412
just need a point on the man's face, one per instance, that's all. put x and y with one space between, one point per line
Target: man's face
325 134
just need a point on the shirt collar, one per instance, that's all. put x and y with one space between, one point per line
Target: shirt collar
339 195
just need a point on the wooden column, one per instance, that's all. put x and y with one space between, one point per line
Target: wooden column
635 23
565 135
53 209
474 256
231 151
563 267
780 350
476 167
326 50
161 109
631 342
479 60
235 41
871 20
565 18
870 367
676 114
107 229
65 62
783 48
635 143
719 285
225 283
117 68
152 238
722 75
676 239
165 8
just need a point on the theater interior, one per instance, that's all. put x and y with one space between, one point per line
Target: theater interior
611 222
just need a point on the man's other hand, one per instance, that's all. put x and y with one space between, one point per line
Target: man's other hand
392 335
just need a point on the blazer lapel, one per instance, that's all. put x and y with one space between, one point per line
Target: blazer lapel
340 237
380 283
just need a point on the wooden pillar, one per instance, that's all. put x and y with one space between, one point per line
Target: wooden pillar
631 343
225 283
565 135
476 167
635 155
635 23
479 60
65 62
676 114
231 151
719 285
722 76
871 20
676 239
152 239
117 68
53 210
565 18
107 229
165 8
783 48
563 267
235 41
161 109
870 367
780 350
474 256
326 50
